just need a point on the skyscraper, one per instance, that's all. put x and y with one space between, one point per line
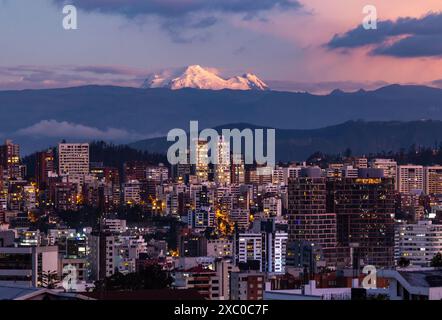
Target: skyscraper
308 217
44 165
222 167
10 159
364 208
202 160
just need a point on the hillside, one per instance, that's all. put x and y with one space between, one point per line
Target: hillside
359 136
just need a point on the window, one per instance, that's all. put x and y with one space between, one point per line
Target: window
15 261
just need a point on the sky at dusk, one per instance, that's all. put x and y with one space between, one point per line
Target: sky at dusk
312 45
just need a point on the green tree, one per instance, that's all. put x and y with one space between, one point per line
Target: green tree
436 262
403 262
49 279
152 277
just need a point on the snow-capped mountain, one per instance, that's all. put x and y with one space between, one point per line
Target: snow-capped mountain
198 77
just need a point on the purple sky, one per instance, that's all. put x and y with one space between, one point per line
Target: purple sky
312 45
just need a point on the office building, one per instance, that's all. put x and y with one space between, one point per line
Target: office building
308 217
418 242
44 166
410 178
433 180
26 266
364 208
73 159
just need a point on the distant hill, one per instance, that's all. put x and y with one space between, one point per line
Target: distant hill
360 136
153 112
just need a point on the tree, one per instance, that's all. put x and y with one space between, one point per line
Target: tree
436 262
49 279
403 262
151 277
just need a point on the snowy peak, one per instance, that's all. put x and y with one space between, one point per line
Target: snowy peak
198 77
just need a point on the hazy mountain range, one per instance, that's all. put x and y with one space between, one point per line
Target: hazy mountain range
360 136
39 118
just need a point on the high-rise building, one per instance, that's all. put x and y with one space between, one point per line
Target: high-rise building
358 162
201 219
264 248
43 166
249 249
202 160
10 159
418 242
409 178
103 257
433 180
308 217
132 192
388 165
73 159
222 167
159 174
364 208
25 266
135 170
237 174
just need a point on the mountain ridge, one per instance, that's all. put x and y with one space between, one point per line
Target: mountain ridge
360 136
153 112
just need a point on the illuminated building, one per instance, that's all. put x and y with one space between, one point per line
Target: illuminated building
263 248
309 220
409 178
132 192
25 266
64 196
364 208
201 219
418 242
135 170
223 166
159 174
433 180
10 160
218 248
73 159
246 285
249 249
388 165
202 160
272 206
43 167
205 281
240 218
237 169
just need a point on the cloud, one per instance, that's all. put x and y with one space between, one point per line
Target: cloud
175 8
405 37
64 129
107 70
185 21
44 77
324 87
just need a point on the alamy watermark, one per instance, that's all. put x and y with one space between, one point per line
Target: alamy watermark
209 147
370 21
70 21
369 281
70 279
